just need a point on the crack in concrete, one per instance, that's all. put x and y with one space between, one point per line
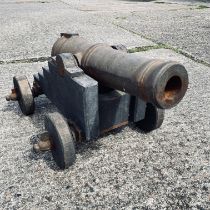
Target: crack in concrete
144 48
25 2
25 60
156 45
130 50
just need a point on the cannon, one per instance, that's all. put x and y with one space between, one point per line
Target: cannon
98 88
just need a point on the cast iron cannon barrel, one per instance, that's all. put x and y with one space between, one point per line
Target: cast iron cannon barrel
162 83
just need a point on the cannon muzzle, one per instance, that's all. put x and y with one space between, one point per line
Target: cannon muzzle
162 83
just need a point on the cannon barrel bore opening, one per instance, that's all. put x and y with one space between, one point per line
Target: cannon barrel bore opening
169 84
172 88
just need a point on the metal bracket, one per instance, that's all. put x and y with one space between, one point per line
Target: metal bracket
69 35
120 47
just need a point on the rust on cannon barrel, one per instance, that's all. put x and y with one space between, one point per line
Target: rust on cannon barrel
162 83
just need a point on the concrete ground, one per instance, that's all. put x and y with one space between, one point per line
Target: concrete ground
165 169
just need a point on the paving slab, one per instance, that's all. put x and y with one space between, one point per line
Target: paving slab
181 24
165 169
29 28
187 28
122 6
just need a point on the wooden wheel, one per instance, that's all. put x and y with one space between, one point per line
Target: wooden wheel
62 140
153 118
24 95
